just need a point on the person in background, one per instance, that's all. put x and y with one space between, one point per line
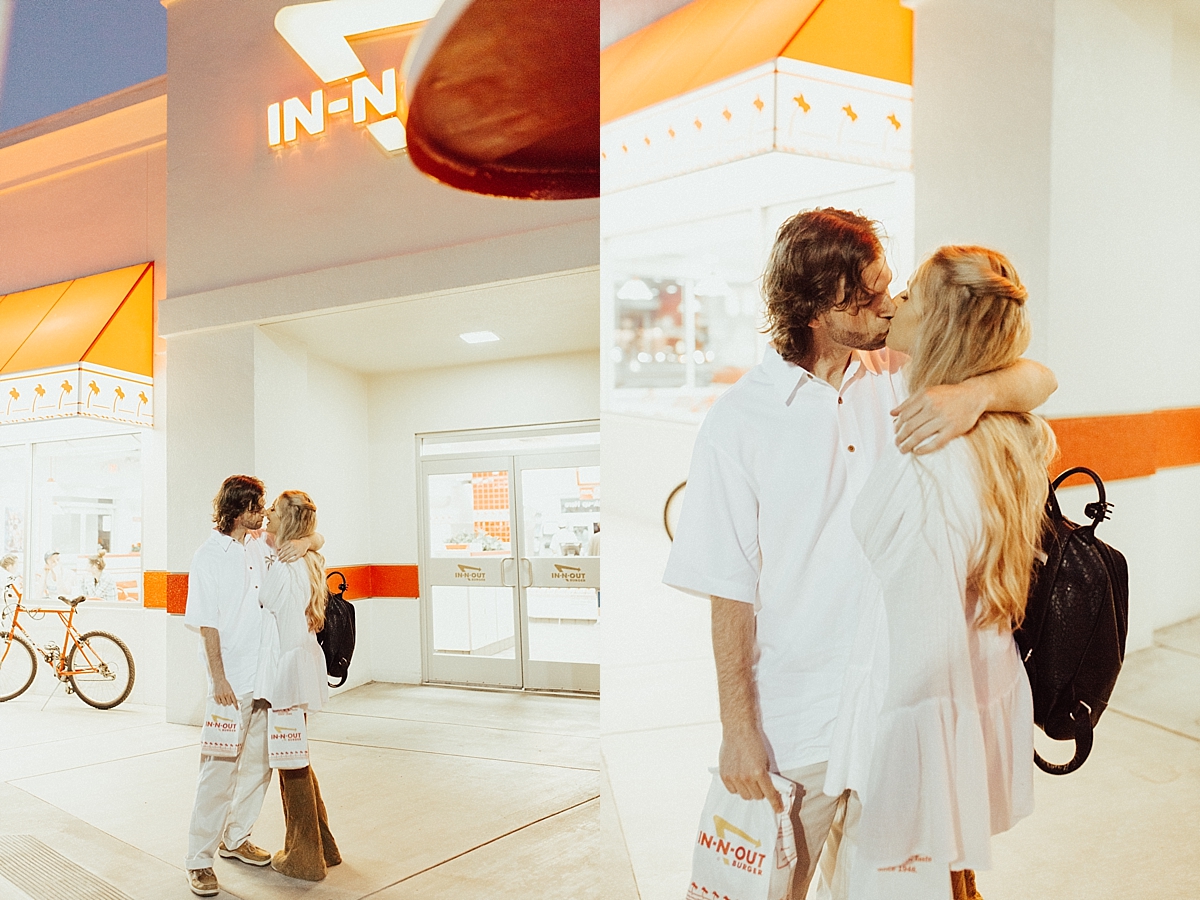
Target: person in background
8 574
565 542
96 585
50 575
294 594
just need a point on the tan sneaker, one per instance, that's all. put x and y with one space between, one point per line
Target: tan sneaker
203 882
247 853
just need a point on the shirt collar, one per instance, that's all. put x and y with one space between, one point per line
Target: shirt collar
788 378
224 541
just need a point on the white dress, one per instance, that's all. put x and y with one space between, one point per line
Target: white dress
294 673
935 727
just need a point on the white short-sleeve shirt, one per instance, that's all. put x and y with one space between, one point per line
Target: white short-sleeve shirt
777 465
223 586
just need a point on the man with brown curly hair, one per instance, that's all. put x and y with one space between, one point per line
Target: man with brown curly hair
223 606
765 526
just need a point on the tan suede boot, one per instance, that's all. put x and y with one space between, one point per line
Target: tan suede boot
301 856
328 844
963 884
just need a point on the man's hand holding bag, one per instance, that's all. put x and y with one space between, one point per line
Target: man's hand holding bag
744 850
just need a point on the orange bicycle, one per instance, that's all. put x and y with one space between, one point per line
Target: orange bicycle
97 666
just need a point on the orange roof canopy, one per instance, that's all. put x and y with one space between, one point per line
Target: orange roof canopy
106 319
708 40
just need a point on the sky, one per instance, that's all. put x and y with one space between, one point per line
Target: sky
61 53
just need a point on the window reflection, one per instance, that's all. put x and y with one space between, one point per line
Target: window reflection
14 478
86 534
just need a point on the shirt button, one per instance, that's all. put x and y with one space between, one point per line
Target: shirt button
840 401
851 448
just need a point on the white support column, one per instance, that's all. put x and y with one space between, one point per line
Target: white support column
1064 133
210 435
982 101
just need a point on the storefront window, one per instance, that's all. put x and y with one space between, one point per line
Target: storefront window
14 494
86 531
685 310
682 269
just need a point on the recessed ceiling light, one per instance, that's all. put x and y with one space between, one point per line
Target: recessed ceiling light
479 337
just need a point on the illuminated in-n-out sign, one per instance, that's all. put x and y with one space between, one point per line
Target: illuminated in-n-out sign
318 33
285 119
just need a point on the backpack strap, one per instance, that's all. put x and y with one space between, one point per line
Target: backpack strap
1082 717
341 591
1097 511
1054 517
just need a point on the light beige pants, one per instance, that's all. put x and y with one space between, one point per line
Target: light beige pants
826 823
230 791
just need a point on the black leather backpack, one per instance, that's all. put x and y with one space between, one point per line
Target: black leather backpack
1073 638
336 637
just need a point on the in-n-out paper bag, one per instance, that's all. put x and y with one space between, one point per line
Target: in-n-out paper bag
287 738
743 850
222 731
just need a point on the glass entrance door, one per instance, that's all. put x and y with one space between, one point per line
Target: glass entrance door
559 567
472 626
510 566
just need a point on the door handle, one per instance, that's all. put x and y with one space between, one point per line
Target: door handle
528 572
504 582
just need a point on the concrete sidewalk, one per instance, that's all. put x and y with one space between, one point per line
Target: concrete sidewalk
432 793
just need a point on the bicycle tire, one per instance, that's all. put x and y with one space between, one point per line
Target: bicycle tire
13 662
106 656
671 509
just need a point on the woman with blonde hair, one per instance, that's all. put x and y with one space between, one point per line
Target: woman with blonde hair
935 729
294 594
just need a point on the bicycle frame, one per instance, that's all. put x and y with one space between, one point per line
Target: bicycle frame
70 638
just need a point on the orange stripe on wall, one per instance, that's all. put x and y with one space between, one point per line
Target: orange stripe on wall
361 581
395 581
177 585
1128 446
1178 437
154 587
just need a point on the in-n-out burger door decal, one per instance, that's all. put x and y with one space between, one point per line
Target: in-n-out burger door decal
319 33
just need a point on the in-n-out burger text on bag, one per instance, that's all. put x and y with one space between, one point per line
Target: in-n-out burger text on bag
743 850
287 738
222 731
742 854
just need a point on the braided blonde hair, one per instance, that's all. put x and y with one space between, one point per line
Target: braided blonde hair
974 321
298 519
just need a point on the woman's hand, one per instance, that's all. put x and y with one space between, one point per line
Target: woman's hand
931 419
290 551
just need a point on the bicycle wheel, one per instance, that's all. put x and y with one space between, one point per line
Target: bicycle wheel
671 509
18 665
106 669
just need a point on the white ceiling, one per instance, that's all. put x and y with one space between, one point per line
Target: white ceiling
533 317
